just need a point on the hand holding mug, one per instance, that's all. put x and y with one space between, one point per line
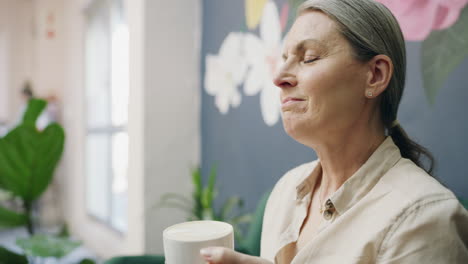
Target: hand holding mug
183 242
221 255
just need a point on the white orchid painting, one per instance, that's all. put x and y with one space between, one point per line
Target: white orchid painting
225 72
263 56
251 60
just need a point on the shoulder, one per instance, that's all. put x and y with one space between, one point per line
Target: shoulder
412 185
428 218
432 231
412 191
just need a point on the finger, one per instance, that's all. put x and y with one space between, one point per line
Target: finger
220 255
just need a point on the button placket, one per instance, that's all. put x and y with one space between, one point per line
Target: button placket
301 191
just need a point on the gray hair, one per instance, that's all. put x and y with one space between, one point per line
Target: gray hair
371 29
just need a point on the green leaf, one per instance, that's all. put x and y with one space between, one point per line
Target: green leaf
196 180
229 205
175 205
293 5
34 110
175 197
10 218
442 52
47 246
205 199
64 231
208 214
464 203
178 201
10 257
197 193
242 219
212 180
5 195
28 158
209 192
238 236
87 261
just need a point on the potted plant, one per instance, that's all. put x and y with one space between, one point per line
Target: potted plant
28 158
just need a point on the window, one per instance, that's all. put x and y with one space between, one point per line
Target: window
107 87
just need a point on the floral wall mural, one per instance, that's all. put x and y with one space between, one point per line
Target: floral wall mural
226 71
241 123
442 25
253 60
419 18
248 60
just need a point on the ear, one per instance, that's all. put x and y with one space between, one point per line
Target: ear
380 71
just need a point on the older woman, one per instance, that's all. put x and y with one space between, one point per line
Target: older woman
367 199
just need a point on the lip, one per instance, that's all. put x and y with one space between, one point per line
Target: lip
291 100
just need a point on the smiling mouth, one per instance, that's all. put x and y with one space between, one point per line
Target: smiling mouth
290 101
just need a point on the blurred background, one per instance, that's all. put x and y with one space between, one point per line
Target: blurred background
148 91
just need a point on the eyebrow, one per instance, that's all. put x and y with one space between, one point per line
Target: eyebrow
305 43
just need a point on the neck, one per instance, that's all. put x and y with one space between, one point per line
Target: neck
342 155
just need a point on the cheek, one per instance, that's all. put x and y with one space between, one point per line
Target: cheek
331 92
316 86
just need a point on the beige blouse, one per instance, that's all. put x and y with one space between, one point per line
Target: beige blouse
389 211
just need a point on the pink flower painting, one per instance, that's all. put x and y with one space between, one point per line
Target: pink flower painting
418 18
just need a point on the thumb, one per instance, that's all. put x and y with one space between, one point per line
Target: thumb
220 255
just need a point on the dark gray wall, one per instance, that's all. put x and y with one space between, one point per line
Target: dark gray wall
251 156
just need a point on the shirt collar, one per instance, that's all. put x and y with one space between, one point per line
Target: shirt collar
361 182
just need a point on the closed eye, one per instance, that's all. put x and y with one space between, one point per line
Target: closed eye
310 60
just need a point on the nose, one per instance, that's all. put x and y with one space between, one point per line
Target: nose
285 80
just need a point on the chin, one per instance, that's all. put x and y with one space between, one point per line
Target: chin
295 129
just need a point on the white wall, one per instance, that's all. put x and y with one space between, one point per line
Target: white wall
135 242
17 30
172 110
48 52
4 81
30 55
4 91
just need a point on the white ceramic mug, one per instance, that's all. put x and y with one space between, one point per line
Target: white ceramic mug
182 242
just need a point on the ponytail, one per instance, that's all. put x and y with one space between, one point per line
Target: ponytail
410 149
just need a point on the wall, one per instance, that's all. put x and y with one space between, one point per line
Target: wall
4 82
441 127
16 28
30 55
252 156
171 102
135 240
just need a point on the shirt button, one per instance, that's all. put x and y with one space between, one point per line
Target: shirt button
327 215
329 210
